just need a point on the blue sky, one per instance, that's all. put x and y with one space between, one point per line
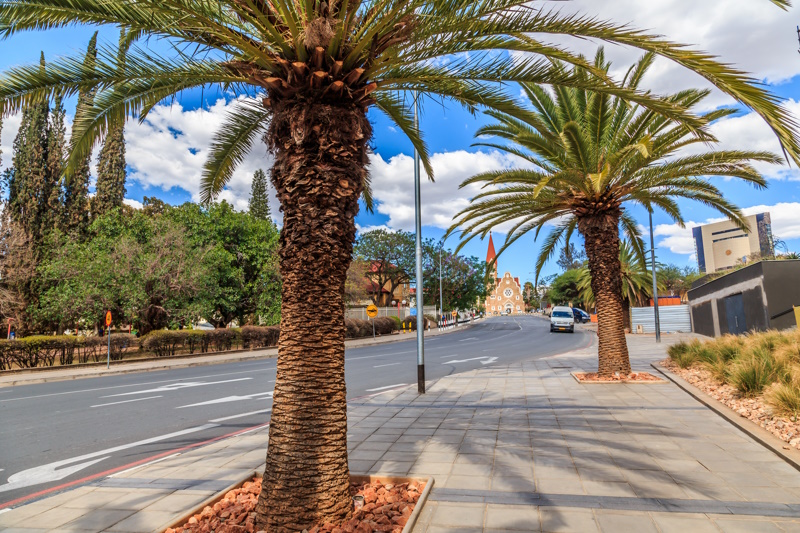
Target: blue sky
166 152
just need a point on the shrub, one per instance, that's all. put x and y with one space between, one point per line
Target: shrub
398 322
260 336
352 328
384 325
223 339
411 322
90 347
755 371
121 342
8 350
194 339
682 354
784 397
162 342
42 349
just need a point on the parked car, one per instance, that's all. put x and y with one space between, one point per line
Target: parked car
580 315
562 319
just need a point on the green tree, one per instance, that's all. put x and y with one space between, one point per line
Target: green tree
259 199
570 258
592 155
56 154
676 280
76 189
111 173
531 295
317 67
564 289
463 280
391 257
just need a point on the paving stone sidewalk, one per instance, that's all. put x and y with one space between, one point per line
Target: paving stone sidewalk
512 448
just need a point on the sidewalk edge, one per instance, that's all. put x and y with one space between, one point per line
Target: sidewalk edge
759 434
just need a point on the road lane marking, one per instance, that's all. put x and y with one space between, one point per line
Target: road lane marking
232 417
390 364
469 339
490 360
126 401
178 386
387 387
228 399
54 471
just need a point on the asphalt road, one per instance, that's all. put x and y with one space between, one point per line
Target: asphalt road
59 433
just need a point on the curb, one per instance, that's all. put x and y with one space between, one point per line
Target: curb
759 434
658 381
27 373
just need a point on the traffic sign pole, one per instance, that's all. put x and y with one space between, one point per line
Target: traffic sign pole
108 334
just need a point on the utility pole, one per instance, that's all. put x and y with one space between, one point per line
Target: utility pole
441 300
418 226
655 284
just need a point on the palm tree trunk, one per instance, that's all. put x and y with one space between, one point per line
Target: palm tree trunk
319 172
601 235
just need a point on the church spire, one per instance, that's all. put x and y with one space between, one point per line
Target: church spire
491 255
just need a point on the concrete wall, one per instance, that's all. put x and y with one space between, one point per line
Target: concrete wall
767 288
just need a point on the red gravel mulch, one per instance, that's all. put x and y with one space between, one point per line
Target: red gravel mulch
635 377
386 508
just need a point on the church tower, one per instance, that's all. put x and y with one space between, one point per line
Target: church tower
491 255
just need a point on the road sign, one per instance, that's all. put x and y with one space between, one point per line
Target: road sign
108 318
454 313
372 311
413 311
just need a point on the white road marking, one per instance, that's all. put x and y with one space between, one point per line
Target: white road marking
387 387
126 401
227 399
178 386
469 339
489 361
390 364
470 359
47 473
133 385
226 418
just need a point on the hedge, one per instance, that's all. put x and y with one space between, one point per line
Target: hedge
43 350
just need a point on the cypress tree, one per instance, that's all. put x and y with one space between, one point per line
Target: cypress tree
56 146
111 163
259 199
28 193
76 190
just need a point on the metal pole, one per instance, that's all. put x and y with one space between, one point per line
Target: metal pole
441 300
418 226
108 358
655 285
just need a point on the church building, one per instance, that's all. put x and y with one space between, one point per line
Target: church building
506 298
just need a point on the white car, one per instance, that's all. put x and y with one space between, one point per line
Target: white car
562 319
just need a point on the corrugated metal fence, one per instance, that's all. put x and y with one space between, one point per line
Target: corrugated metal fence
671 318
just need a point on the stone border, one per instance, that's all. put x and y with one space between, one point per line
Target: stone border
657 381
756 432
214 498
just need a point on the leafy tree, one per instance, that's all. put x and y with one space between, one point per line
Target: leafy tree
111 173
592 155
316 68
355 285
76 190
570 257
56 153
565 290
676 280
531 295
259 199
463 281
391 256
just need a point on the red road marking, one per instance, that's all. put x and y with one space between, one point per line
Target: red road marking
127 466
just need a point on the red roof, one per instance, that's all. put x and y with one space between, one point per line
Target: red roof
490 254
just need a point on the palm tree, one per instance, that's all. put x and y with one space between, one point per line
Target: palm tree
636 281
306 72
588 155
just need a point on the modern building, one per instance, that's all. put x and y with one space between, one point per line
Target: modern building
506 297
758 297
721 245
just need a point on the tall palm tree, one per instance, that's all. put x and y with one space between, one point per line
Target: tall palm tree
307 71
588 155
637 282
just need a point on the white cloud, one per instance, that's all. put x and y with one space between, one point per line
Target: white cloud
169 148
785 225
10 128
133 203
393 185
752 35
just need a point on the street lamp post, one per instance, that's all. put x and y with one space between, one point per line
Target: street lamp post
441 300
418 226
655 285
